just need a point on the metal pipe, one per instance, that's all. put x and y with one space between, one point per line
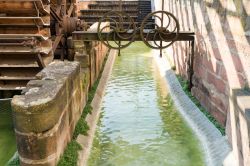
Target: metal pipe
6 99
191 67
162 24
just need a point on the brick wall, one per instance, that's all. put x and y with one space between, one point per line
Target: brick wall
222 54
241 119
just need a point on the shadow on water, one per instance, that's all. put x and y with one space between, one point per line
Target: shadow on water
139 124
7 135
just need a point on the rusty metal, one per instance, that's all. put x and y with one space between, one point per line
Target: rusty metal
166 33
93 36
32 34
191 64
65 22
117 31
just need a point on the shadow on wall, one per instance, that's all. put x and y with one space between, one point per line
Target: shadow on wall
241 117
222 55
221 61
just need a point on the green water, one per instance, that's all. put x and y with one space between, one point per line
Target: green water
139 125
7 135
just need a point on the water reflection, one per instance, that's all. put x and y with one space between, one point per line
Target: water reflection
139 125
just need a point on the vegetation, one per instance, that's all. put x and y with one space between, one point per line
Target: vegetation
184 85
14 162
7 133
70 155
81 128
247 88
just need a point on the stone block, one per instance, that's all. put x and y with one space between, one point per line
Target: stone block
44 113
83 59
35 146
218 83
63 134
40 108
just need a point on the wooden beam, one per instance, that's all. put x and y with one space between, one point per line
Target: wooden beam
93 36
40 61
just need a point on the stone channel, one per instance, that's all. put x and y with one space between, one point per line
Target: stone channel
139 124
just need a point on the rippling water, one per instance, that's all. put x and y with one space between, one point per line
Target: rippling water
139 125
7 135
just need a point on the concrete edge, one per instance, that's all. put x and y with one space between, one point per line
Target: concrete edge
92 119
215 147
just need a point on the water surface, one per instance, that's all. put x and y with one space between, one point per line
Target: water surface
7 135
139 125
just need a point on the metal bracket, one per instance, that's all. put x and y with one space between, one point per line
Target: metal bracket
166 32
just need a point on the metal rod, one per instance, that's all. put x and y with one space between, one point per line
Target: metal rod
191 70
6 99
119 51
120 5
163 3
93 36
162 24
162 14
120 26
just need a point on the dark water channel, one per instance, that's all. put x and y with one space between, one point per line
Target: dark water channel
7 135
139 125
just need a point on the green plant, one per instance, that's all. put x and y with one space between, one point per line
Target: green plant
81 128
14 162
70 155
184 85
246 87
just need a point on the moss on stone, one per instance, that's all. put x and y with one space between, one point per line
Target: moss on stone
70 155
15 162
81 128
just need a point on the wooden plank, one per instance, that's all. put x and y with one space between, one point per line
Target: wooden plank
12 87
56 42
5 78
40 61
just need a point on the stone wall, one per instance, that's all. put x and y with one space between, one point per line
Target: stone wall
222 53
46 113
242 128
91 55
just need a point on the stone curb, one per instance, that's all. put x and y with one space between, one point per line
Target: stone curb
215 146
92 119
